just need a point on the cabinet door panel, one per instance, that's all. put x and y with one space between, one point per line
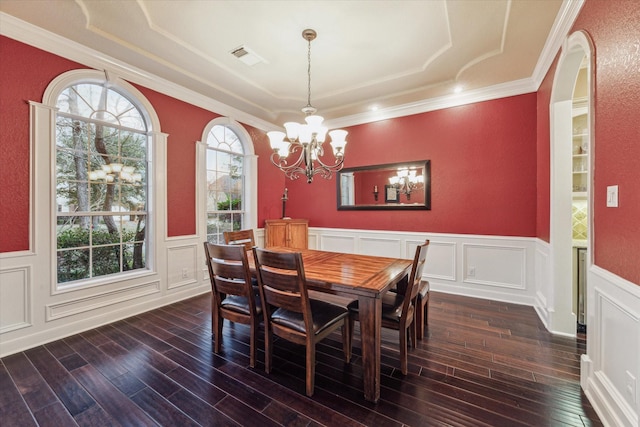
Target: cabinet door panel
276 234
298 235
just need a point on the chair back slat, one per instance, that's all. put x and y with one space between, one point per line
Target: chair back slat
228 270
240 237
282 281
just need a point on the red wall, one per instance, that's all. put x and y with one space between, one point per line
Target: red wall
614 27
543 154
25 73
483 170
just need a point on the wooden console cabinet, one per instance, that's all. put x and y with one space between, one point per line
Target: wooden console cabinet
290 233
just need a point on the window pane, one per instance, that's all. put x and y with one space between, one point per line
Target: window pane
104 196
73 231
216 228
106 260
133 228
106 230
72 197
71 164
135 256
124 111
133 145
73 265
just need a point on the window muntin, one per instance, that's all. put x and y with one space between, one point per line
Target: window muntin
101 184
225 161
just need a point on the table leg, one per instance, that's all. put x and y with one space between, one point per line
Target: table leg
370 324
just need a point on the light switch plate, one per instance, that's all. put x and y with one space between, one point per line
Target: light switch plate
612 196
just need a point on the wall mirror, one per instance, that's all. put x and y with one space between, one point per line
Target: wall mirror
390 186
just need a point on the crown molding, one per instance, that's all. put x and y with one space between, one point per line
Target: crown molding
37 37
502 90
565 19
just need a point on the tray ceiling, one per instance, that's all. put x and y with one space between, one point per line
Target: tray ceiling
387 54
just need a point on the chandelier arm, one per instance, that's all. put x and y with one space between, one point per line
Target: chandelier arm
282 163
339 161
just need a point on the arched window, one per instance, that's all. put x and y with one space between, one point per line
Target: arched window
226 169
102 152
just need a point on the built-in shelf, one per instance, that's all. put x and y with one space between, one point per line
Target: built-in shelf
580 158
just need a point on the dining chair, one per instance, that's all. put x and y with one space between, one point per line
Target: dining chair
240 237
398 310
234 297
290 314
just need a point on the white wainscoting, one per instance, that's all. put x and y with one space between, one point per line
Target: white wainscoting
15 298
31 315
544 300
610 371
492 267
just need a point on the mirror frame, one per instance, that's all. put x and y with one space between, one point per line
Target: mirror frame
426 173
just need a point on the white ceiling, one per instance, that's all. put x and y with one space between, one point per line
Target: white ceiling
392 54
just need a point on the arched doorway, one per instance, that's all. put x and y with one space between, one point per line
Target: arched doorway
577 53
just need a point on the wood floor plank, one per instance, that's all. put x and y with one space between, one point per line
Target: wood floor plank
70 393
13 409
30 384
481 363
116 404
199 410
54 415
161 410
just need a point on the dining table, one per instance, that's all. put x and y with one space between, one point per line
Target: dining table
365 277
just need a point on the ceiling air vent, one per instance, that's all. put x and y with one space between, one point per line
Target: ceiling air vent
247 56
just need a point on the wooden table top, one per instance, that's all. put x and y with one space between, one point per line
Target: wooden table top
350 274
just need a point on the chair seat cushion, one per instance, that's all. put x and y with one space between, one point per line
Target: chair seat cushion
424 289
240 304
324 315
391 306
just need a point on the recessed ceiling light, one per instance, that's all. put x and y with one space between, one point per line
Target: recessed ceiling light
457 89
374 108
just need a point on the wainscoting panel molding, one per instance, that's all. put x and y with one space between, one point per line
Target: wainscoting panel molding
380 247
99 300
441 263
492 261
15 298
182 265
338 242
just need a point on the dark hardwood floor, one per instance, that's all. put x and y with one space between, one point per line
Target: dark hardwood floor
484 363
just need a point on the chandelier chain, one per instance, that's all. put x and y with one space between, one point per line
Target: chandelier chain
309 73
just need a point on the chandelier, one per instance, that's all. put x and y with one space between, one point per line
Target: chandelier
303 142
406 180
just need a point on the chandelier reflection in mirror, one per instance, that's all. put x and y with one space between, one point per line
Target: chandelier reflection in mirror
305 140
406 180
